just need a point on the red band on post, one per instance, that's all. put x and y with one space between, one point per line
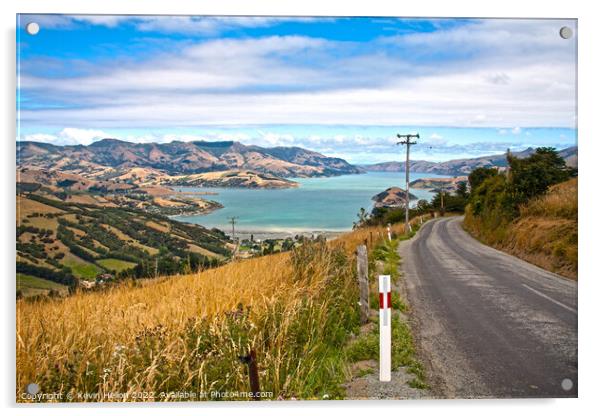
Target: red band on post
381 299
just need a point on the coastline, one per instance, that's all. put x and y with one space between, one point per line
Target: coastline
266 234
201 212
319 206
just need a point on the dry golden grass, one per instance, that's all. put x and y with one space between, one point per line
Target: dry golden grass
372 235
26 207
559 202
147 336
94 325
295 309
162 227
545 233
41 222
196 249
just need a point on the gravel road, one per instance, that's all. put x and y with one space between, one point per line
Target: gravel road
489 324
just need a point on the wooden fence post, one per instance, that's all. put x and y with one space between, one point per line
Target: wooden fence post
254 375
251 361
362 276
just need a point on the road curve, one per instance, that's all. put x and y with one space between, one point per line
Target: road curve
489 324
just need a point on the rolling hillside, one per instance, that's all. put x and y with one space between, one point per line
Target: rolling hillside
297 310
176 158
71 244
460 167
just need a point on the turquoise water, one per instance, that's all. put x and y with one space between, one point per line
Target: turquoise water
318 204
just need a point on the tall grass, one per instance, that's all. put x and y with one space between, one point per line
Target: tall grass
544 234
186 333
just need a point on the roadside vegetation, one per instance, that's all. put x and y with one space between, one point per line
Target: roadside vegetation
384 259
297 310
529 211
442 203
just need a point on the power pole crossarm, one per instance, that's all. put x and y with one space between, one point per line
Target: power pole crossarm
407 141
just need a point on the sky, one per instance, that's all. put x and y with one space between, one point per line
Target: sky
340 86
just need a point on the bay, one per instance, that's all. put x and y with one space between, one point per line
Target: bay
317 205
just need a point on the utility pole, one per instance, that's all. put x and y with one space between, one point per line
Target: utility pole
233 221
407 141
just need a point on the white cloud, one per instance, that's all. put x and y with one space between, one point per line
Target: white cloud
41 137
108 20
187 25
69 136
516 130
208 25
274 139
515 73
436 140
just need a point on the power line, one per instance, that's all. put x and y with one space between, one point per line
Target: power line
408 142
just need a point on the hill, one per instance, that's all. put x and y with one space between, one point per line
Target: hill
545 232
176 158
459 167
434 184
297 310
70 243
135 189
231 179
393 197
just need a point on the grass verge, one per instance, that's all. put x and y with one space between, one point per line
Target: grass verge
366 346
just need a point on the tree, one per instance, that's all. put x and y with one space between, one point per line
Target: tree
462 190
533 175
478 176
422 206
498 197
362 218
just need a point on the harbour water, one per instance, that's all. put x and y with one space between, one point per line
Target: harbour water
317 205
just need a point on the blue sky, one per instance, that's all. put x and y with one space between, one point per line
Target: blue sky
340 86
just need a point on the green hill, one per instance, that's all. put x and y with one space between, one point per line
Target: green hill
68 242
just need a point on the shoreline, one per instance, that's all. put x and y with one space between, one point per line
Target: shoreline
284 234
205 211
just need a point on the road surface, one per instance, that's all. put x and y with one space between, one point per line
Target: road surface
489 324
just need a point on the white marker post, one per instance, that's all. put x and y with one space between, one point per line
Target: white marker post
384 288
389 231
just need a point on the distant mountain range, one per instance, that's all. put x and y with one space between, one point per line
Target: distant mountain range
464 166
188 158
182 158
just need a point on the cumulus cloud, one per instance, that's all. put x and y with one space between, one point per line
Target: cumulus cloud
275 139
69 136
186 25
498 73
42 137
205 25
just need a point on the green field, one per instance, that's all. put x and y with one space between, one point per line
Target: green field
116 264
31 285
81 268
65 241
